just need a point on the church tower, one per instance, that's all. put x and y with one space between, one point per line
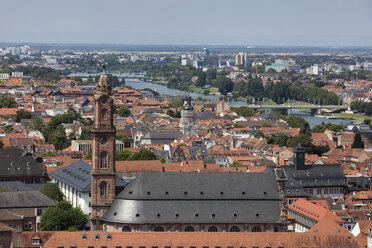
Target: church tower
187 123
103 153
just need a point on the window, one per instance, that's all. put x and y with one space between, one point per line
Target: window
326 191
39 211
189 229
276 229
127 229
103 189
18 242
159 229
104 158
108 236
318 191
36 241
97 237
212 229
84 237
256 229
234 229
104 114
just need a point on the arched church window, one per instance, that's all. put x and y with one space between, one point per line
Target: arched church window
234 229
159 229
189 229
104 160
104 114
103 189
212 229
127 229
256 229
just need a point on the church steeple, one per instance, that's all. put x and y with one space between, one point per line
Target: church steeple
103 153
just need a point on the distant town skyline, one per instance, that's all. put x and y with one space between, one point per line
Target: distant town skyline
192 22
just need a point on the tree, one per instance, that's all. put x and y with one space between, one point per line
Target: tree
124 112
367 121
259 134
37 123
62 217
244 111
58 139
52 191
89 155
1 144
86 134
236 164
170 113
297 122
123 155
281 140
358 142
22 114
124 138
144 154
47 154
225 85
7 102
176 103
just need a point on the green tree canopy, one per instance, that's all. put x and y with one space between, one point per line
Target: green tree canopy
244 111
52 191
123 155
124 112
170 113
358 142
86 134
62 217
7 102
297 122
144 154
225 85
124 138
237 164
22 114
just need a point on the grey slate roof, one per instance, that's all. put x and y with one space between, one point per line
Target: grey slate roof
25 199
197 197
330 175
78 176
14 163
162 137
20 186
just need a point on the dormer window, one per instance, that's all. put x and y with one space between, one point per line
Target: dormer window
36 241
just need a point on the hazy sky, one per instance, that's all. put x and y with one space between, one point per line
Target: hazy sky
230 22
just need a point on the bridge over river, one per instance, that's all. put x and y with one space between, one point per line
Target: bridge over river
288 108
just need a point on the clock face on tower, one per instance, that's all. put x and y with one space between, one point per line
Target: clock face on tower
104 142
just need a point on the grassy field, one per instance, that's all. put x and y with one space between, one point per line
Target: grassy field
356 117
201 90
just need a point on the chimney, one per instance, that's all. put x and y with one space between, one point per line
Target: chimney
299 157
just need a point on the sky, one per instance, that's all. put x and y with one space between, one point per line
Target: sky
189 22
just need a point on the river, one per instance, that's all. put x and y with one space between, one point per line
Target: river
138 84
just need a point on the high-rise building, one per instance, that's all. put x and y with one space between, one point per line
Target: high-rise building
206 51
241 59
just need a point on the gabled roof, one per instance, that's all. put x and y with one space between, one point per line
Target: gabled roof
25 199
78 176
198 197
